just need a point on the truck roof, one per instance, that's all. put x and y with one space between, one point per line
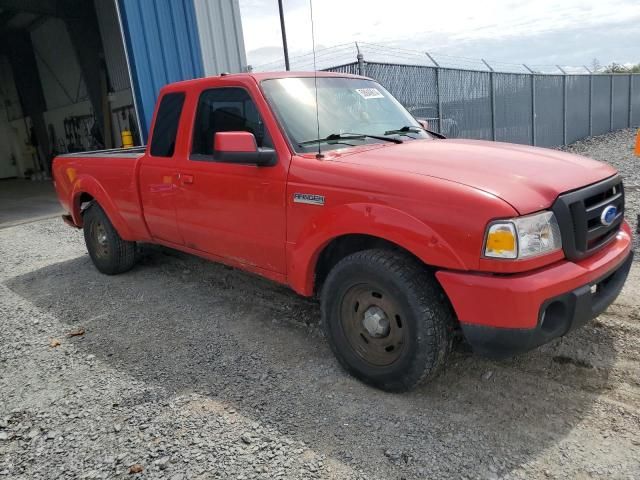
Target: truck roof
258 77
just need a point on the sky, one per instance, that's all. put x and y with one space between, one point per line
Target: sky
536 32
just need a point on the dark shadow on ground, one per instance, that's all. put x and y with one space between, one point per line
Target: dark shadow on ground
190 325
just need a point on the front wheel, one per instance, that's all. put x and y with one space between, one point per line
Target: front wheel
386 318
108 251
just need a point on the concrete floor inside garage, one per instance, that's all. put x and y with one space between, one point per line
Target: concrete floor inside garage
23 201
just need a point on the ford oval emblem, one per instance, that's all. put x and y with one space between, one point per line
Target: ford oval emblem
608 215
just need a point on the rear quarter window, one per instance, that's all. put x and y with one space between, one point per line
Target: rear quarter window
165 130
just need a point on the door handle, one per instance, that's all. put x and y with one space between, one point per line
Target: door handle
185 179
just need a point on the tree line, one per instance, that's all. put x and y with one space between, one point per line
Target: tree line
614 67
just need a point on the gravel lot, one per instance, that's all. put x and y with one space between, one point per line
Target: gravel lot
188 369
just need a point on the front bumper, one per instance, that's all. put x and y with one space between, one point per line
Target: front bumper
502 315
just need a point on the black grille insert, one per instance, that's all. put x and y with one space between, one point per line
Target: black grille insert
579 215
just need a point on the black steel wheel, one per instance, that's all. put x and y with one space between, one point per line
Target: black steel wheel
372 323
99 239
108 251
387 319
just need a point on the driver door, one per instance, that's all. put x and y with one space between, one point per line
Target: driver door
231 210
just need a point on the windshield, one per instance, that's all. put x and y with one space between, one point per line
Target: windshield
351 109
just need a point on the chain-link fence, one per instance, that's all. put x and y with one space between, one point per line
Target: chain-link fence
528 108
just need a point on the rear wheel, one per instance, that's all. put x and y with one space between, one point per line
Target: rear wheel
108 251
386 319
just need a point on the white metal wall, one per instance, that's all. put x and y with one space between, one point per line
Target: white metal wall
221 37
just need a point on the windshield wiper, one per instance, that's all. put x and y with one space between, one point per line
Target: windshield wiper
349 136
404 131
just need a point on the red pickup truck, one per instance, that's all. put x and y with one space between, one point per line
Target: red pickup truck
409 239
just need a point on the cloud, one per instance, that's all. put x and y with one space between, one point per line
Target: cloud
542 31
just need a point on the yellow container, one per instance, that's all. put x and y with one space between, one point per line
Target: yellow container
127 139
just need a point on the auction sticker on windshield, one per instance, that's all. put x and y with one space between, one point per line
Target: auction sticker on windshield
369 93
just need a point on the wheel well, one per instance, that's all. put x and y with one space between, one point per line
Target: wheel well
83 200
345 245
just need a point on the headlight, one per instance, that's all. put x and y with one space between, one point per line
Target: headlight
523 237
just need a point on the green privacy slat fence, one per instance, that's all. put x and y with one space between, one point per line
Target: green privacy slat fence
533 109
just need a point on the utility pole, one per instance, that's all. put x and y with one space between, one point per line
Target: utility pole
284 37
360 59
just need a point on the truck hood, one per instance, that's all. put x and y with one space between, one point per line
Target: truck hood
528 178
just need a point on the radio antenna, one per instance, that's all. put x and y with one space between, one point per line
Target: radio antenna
315 79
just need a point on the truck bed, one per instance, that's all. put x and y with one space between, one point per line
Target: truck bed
108 176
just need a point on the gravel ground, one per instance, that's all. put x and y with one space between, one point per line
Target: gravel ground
183 368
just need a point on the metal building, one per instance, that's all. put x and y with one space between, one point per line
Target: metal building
75 73
171 40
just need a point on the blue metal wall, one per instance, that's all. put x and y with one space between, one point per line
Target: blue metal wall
163 46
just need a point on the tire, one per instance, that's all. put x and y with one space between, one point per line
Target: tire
387 320
109 253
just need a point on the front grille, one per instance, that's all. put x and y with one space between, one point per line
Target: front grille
579 215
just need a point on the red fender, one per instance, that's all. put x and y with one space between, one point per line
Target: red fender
379 221
89 185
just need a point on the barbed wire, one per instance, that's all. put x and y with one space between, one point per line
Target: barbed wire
341 54
308 57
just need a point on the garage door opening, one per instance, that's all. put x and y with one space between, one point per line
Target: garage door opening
64 83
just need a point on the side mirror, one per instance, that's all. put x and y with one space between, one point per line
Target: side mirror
241 148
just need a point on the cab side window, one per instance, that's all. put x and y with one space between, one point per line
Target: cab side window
165 130
226 110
